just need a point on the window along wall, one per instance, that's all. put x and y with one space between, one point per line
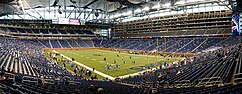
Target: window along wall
179 10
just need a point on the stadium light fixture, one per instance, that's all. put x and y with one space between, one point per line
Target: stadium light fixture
167 5
137 10
22 5
146 8
116 15
180 2
124 13
111 17
157 6
188 1
129 12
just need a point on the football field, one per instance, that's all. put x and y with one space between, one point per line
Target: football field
116 63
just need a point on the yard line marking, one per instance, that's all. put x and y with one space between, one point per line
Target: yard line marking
125 55
78 63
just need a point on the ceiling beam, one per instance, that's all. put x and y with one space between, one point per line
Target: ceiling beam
86 6
71 12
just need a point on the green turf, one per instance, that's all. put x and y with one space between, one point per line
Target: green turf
90 58
68 66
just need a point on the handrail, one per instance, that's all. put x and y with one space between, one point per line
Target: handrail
209 80
182 81
13 76
70 80
50 81
27 80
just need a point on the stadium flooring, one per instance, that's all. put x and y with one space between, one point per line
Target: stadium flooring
133 63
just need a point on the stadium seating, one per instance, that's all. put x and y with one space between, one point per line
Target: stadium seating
216 71
120 47
85 43
53 31
47 32
200 23
73 43
182 45
45 43
18 58
55 44
64 44
25 59
62 31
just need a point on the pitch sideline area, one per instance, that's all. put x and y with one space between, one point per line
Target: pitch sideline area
90 59
96 71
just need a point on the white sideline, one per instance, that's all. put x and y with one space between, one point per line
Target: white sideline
137 73
105 75
95 71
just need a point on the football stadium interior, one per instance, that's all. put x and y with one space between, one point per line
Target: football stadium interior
120 47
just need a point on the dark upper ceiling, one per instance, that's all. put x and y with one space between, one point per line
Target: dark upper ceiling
13 6
104 5
6 1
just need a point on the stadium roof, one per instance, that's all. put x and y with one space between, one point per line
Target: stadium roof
102 7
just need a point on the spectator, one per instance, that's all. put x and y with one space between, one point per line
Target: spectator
100 91
2 76
194 69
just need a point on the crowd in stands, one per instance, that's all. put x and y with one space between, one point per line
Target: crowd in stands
26 57
46 31
25 69
215 67
66 43
179 45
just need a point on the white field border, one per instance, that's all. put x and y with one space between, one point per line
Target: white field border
78 63
103 74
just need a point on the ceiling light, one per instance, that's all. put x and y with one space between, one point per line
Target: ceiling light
137 11
129 12
146 8
188 1
167 5
180 2
157 6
